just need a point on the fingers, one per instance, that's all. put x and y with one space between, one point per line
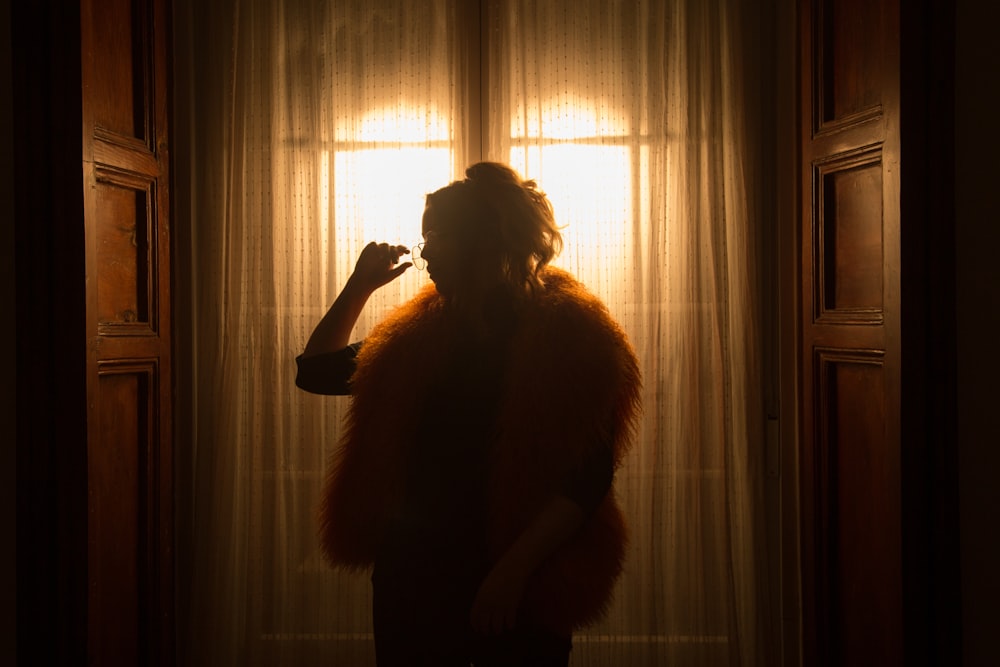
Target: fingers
483 623
379 264
487 619
384 252
492 624
381 257
393 252
399 270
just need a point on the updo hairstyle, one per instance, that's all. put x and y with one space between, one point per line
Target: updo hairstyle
503 219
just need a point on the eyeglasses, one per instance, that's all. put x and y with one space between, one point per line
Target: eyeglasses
417 251
417 257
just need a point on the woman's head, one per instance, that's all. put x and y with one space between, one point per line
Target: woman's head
491 228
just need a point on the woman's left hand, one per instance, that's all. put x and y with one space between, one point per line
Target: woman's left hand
499 596
497 602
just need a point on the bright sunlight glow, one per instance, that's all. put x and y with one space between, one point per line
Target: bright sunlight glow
388 160
382 190
590 185
403 124
383 179
566 117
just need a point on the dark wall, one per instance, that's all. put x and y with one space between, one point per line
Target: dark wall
48 321
977 180
8 460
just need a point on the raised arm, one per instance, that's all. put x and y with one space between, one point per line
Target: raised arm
377 266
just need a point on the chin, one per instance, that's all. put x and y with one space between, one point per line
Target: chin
443 291
441 286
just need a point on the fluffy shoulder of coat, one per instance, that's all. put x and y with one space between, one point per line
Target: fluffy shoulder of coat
572 385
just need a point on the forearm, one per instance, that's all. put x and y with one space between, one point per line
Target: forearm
377 265
496 605
558 520
334 331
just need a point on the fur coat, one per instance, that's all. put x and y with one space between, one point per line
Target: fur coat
572 383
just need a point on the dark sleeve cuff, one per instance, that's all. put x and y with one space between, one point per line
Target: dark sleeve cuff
328 373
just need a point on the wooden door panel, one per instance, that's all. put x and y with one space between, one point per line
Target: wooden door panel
124 261
849 56
118 500
849 244
129 452
118 38
858 532
850 466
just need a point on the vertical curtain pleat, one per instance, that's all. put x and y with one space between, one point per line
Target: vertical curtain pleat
318 127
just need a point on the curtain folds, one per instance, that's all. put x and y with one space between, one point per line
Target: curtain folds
317 127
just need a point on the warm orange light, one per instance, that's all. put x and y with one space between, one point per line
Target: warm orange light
393 157
579 159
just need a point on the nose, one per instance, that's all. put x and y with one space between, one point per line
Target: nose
428 250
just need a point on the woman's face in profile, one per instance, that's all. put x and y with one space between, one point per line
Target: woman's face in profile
443 253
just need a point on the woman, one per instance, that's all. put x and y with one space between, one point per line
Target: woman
488 416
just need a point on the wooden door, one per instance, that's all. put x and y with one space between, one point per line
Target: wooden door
850 475
124 51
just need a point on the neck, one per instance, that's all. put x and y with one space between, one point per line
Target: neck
484 313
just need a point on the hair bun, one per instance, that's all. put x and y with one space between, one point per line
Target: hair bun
494 173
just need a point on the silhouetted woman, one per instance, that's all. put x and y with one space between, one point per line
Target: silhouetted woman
474 472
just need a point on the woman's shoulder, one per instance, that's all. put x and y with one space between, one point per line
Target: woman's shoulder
564 297
557 281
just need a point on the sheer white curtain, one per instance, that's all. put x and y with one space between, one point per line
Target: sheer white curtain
636 118
317 127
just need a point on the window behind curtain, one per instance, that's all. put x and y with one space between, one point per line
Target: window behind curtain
616 109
